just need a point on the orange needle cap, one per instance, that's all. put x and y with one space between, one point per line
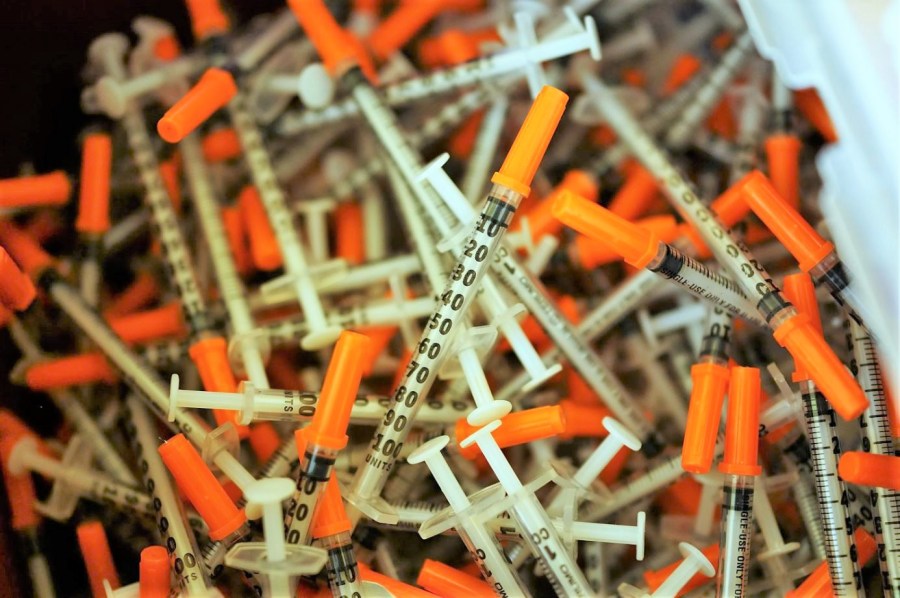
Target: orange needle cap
264 247
329 424
636 245
868 469
220 145
87 368
198 483
27 252
794 232
656 578
592 254
97 557
330 517
155 573
16 290
799 290
742 424
636 195
50 189
782 153
444 580
96 168
151 324
705 409
531 142
207 18
810 351
518 428
214 89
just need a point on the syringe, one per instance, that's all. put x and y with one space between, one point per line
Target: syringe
877 440
512 61
643 249
539 533
510 184
173 528
740 468
825 451
93 211
472 531
790 329
815 255
318 444
208 351
249 348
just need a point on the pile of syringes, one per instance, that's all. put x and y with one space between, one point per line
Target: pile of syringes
442 298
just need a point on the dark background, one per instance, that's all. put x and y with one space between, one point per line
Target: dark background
43 47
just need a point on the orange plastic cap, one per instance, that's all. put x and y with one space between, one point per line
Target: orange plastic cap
221 144
52 189
810 351
583 420
236 234
520 427
868 469
27 252
592 254
710 381
155 573
87 368
349 238
636 195
400 26
395 587
540 218
330 516
198 483
96 169
139 293
329 424
152 324
168 169
636 245
443 580
656 578
167 48
337 48
207 18
214 89
97 557
684 67
818 584
531 142
20 493
16 290
742 423
731 207
810 105
794 232
264 440
799 290
210 355
451 47
783 154
264 247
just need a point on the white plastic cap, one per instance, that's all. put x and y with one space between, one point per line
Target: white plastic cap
315 86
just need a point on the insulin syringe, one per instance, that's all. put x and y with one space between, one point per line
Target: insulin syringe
790 329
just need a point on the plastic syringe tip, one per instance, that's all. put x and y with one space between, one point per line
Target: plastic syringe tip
96 169
710 381
742 425
155 572
794 232
16 290
329 424
636 245
201 487
214 89
530 144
